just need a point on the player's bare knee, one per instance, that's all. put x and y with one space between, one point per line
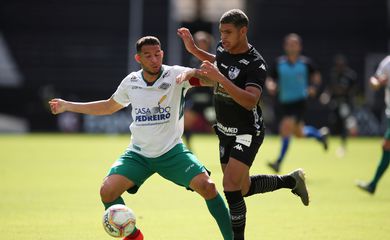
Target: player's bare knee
386 145
107 194
209 189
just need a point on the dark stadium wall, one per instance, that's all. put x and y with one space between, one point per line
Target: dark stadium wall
71 49
79 49
354 28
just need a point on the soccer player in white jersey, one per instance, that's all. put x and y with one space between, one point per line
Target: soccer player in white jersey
157 103
381 79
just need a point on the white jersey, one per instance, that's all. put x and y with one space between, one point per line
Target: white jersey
157 110
384 69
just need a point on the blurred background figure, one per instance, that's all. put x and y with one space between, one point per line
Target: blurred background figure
339 95
294 78
199 112
381 79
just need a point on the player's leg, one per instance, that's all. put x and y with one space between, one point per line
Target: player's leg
286 130
383 164
182 167
308 131
262 183
110 192
128 173
112 188
203 185
319 134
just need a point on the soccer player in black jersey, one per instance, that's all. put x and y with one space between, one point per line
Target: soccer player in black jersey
237 72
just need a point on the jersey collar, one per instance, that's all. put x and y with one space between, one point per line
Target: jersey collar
149 84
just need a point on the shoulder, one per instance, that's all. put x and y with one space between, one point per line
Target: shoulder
281 59
220 49
386 61
132 78
305 59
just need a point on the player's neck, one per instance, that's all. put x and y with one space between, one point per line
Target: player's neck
292 57
150 78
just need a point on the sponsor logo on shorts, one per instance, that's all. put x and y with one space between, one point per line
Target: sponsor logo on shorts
238 147
189 167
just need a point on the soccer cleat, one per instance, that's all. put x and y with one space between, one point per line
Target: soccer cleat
300 188
135 236
365 187
324 131
275 166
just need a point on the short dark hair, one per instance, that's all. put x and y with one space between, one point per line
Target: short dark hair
235 17
148 40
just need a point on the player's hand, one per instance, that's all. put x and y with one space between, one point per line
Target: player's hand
210 71
185 76
57 105
378 81
271 86
187 38
181 78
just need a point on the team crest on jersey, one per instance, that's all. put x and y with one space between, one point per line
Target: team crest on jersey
164 86
233 72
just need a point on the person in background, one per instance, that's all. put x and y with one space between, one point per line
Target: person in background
294 78
381 79
340 92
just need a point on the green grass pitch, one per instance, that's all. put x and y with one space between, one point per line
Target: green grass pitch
49 190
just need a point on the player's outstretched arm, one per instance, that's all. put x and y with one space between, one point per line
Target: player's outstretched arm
196 75
102 107
191 47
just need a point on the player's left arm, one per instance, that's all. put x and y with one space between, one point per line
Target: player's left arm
247 98
194 77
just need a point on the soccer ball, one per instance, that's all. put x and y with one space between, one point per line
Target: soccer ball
119 220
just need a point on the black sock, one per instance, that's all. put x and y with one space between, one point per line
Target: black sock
237 209
269 183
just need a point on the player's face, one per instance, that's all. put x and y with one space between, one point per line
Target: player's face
231 36
150 58
292 46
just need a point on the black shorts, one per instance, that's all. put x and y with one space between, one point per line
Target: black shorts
295 109
242 147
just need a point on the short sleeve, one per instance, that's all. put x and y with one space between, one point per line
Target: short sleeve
121 95
256 75
384 67
180 69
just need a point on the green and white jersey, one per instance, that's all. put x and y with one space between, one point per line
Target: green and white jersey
157 110
384 69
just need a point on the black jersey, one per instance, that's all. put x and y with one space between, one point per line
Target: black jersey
246 69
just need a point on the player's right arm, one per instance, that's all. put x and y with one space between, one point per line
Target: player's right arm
102 107
191 47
